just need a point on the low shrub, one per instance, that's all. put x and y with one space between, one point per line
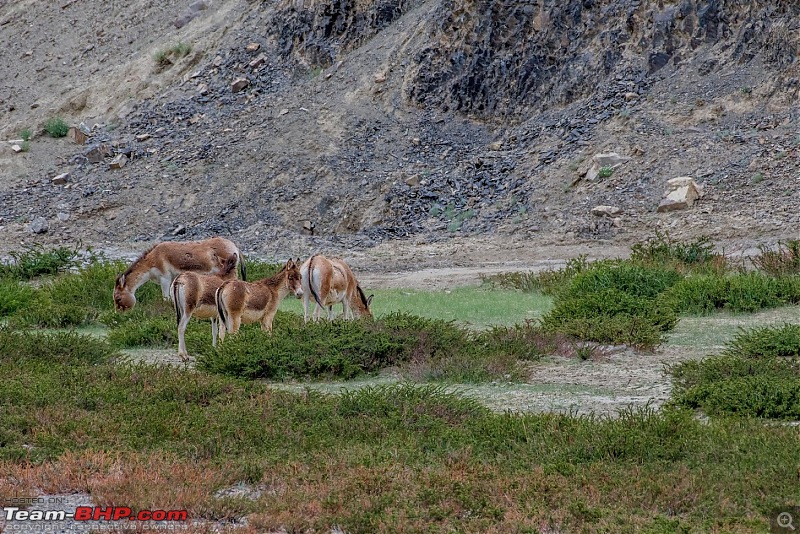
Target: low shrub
685 256
423 348
21 347
14 295
758 375
739 292
56 127
79 298
616 302
766 342
35 260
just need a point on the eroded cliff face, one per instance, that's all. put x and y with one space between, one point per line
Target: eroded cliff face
500 57
376 119
320 32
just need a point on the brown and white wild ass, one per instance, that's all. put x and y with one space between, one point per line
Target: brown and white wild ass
330 281
194 296
251 302
166 260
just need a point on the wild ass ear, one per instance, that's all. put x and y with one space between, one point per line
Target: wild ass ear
289 264
369 300
121 280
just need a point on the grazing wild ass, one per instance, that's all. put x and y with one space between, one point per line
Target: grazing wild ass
194 295
165 261
251 302
330 281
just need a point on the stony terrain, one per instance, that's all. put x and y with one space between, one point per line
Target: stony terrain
389 125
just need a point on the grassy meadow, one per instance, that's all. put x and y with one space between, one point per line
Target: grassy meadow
78 414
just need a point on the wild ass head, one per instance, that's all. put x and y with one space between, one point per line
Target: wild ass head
124 299
361 307
294 280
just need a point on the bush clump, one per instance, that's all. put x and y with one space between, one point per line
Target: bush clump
422 348
738 292
758 375
21 347
685 256
56 127
35 260
616 302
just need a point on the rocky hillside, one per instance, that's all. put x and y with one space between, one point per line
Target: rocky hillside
372 120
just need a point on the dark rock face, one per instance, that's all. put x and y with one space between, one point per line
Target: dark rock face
321 31
498 57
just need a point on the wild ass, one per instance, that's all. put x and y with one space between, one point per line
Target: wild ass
165 261
251 302
194 295
329 281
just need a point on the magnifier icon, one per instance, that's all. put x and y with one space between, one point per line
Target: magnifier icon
784 520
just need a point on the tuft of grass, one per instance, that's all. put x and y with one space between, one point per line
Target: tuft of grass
785 260
167 57
548 282
605 172
26 134
14 295
56 127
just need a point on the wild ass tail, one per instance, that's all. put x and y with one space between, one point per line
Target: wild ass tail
242 267
224 317
176 287
311 281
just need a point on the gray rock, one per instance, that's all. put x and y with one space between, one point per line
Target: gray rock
39 225
61 179
606 211
197 6
63 217
239 84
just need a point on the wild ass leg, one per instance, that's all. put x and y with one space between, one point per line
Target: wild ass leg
165 281
305 305
214 329
182 352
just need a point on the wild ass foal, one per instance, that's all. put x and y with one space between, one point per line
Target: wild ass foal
167 260
194 295
330 281
251 302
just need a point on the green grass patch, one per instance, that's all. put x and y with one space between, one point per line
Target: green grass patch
393 457
474 307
